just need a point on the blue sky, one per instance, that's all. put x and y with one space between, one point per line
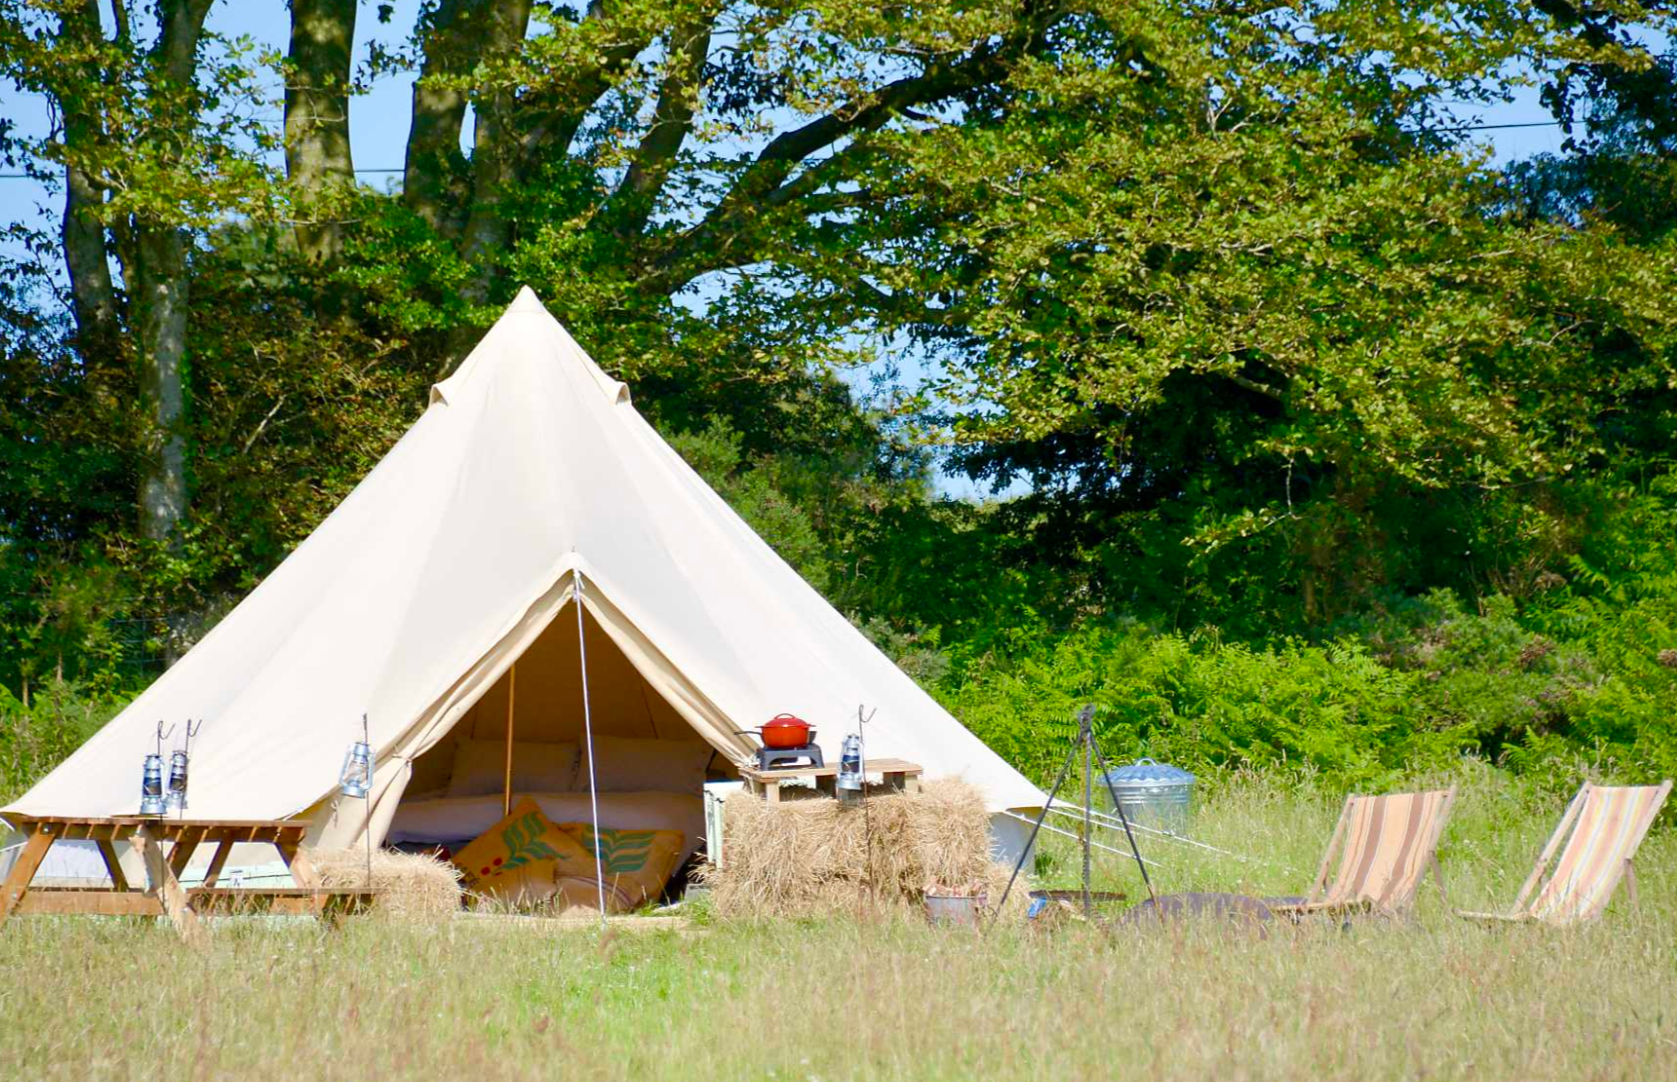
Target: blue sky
379 122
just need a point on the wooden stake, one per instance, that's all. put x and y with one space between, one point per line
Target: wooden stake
512 692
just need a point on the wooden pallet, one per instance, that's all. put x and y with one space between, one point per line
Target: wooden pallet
163 895
898 774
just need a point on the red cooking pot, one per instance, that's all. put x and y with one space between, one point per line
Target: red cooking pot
786 731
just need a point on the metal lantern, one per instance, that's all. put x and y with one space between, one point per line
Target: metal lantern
355 780
177 780
151 786
850 765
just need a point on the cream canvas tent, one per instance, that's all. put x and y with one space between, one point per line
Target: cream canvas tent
459 554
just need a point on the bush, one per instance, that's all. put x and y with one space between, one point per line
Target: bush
1204 704
38 736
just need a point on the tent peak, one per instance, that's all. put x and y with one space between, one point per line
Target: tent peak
526 301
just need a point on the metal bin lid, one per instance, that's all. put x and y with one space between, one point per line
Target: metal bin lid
1148 774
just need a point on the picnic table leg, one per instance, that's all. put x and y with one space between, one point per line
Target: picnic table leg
303 873
182 851
17 881
224 846
168 889
107 850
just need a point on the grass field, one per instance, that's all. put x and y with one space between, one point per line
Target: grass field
1435 997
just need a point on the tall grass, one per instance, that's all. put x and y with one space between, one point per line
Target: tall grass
1272 835
1430 997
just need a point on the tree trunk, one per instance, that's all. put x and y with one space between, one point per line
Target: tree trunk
85 259
157 305
434 181
85 255
494 157
317 150
158 295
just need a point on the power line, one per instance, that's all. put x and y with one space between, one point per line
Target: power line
1415 131
31 176
1493 127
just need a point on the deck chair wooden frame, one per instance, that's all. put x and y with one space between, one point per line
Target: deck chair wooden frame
1377 870
1591 878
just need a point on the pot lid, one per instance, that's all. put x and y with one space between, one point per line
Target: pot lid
1149 772
787 721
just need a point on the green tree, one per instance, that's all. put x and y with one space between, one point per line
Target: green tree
153 142
1262 340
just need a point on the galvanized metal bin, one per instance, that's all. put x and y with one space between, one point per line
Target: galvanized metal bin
1153 794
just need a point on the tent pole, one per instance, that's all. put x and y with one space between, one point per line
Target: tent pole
512 691
588 738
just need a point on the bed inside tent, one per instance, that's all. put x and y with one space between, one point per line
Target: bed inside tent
649 765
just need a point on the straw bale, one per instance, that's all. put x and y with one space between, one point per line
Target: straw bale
821 857
412 887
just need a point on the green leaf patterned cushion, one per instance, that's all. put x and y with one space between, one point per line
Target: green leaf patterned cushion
636 863
524 838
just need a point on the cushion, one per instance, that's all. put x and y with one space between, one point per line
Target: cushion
480 768
636 863
578 892
458 820
523 838
622 765
522 888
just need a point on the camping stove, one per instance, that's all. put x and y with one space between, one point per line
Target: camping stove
772 758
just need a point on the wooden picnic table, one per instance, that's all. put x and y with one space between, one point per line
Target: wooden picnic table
899 774
163 895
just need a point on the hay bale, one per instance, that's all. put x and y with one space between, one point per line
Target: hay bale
821 857
414 887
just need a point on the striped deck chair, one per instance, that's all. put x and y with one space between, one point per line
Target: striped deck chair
1602 828
1385 845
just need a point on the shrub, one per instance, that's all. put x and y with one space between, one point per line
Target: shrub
37 736
1204 704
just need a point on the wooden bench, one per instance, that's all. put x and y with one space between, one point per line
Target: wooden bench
898 774
163 895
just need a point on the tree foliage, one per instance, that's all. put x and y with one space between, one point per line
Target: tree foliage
1318 412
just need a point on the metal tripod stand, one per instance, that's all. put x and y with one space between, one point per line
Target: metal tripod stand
1092 755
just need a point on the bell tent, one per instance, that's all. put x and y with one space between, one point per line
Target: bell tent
438 601
441 600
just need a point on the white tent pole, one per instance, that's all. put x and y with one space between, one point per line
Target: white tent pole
588 742
512 691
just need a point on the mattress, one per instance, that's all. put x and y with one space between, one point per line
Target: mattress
453 820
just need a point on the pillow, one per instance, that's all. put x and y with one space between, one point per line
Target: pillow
524 887
622 765
480 768
577 892
525 837
636 863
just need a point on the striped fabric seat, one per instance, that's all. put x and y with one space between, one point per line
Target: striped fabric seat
1385 844
1602 829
